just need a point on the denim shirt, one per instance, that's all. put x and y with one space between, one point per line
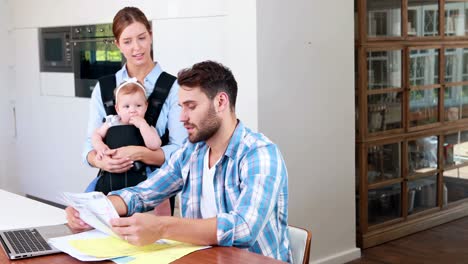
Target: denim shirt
251 191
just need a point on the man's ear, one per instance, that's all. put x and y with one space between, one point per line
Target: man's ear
222 101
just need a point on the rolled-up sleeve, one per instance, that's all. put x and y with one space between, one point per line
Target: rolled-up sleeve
262 173
164 183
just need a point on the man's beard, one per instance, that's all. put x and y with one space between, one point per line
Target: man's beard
207 127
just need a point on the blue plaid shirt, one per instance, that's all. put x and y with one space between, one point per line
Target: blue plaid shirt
251 190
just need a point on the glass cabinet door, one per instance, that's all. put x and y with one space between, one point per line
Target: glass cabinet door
455 184
383 69
456 22
383 162
455 150
384 204
422 194
384 109
423 18
384 112
423 107
423 71
422 155
383 18
455 156
456 65
424 67
456 102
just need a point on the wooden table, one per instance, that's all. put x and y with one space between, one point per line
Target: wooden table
221 255
19 211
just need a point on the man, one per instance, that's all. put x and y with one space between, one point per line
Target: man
233 182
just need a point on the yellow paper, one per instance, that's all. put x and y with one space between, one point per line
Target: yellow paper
164 256
165 251
110 247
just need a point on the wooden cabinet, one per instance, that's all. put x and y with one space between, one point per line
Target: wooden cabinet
411 116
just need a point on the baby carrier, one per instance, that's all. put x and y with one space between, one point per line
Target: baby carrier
127 135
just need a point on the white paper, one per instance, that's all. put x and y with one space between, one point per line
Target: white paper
94 208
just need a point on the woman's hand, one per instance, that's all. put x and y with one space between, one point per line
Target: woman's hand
112 163
129 154
133 153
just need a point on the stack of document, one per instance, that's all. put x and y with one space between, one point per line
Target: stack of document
94 208
100 244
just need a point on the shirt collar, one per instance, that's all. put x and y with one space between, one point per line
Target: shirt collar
233 145
150 79
235 140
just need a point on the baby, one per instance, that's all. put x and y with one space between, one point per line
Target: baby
130 105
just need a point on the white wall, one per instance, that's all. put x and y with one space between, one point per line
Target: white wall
47 13
306 105
51 129
7 141
3 88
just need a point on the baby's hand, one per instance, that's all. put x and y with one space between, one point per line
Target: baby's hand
137 121
99 155
100 151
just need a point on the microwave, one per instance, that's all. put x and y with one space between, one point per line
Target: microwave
55 49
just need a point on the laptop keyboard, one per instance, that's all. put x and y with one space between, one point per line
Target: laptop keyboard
28 240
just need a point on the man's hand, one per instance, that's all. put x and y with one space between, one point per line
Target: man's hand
139 229
112 163
74 220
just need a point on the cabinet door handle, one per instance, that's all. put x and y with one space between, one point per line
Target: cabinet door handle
15 131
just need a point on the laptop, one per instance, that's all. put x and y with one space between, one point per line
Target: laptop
31 242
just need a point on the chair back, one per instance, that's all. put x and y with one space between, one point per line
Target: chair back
299 240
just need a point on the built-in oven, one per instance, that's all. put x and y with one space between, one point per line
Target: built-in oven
89 52
55 49
94 55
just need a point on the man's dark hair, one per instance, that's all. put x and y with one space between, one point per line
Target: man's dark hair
212 77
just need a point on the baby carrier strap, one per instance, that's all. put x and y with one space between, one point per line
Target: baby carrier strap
107 85
158 97
156 100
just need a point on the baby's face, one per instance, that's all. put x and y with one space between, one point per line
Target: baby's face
130 105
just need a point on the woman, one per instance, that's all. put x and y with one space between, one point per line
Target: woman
133 36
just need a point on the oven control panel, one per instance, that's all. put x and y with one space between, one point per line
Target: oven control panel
92 31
